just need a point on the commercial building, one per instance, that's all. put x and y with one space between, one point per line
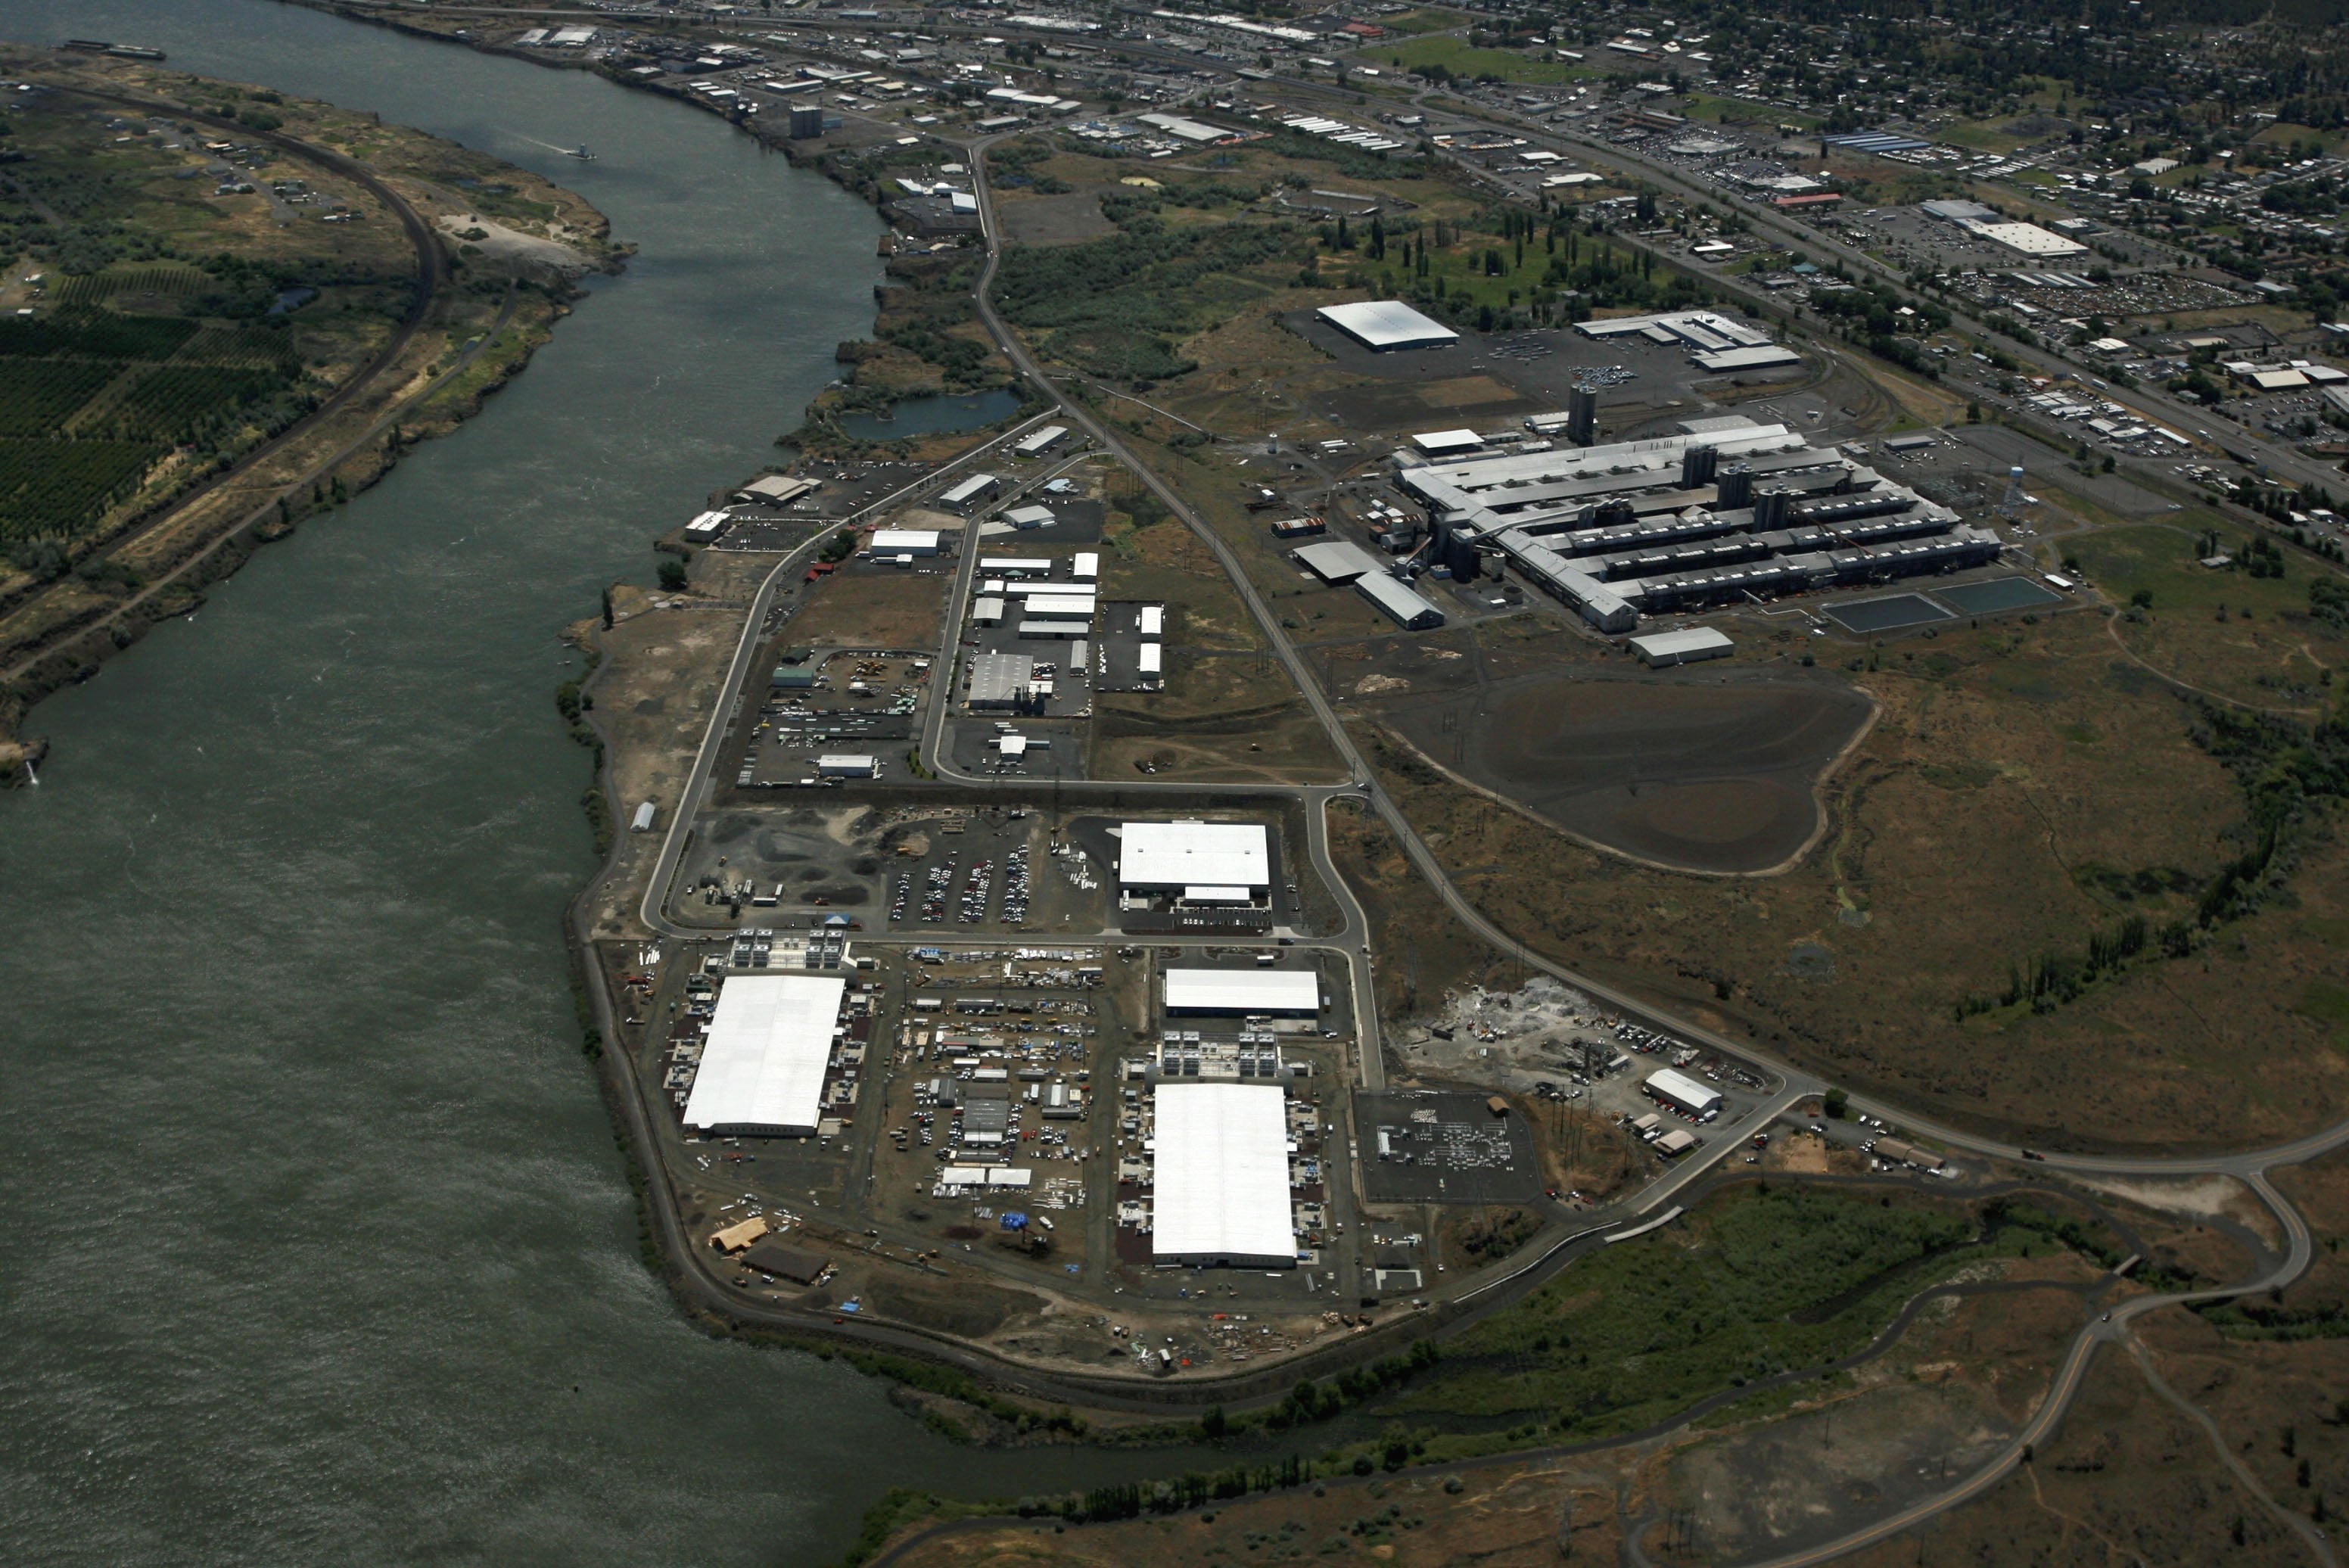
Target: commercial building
1167 857
1337 560
2024 239
1243 993
1031 516
1053 630
1002 681
969 492
1683 1093
763 1065
1047 605
848 765
775 490
1385 324
905 540
1220 1179
1660 650
1038 442
1015 567
1761 358
1410 611
1447 443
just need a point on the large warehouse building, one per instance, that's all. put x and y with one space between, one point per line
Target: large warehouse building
1243 993
1387 324
1728 511
763 1066
1683 1092
1220 1176
1173 857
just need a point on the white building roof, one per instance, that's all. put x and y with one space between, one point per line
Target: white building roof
763 1066
846 762
1683 1091
1386 323
1679 645
2029 239
1085 563
1745 358
970 489
920 541
1438 441
1221 1153
1180 855
1243 992
1337 559
1151 623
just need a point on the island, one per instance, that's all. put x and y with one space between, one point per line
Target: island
224 309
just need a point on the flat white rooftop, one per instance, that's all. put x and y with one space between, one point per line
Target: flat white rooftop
1221 1178
1387 324
1194 854
2029 239
763 1066
1243 992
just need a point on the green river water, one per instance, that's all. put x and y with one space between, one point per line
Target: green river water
313 1243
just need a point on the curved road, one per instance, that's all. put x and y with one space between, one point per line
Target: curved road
2251 1167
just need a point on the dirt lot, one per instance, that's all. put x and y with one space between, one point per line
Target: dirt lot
1686 771
873 610
2028 784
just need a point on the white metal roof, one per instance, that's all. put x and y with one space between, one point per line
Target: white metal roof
763 1066
1221 1152
846 762
1386 323
1683 1091
969 489
1060 604
1754 359
1669 644
886 540
1153 620
1243 991
1180 855
1404 605
1085 563
1337 559
1149 663
1447 440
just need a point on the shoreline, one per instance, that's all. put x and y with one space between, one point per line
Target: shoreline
355 437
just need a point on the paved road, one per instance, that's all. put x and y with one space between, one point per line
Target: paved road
2251 1167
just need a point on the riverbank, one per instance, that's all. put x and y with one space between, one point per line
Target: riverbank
926 341
448 272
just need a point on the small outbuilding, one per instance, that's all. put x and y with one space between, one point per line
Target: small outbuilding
1660 650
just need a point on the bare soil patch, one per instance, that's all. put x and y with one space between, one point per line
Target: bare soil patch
872 610
1709 777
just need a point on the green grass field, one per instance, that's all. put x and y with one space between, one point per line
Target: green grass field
1758 1281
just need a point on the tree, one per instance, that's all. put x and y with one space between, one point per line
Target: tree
1973 412
1837 1103
672 574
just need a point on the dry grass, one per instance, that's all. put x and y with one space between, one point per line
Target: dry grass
2019 780
873 610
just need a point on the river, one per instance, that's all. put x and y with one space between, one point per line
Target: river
314 1241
